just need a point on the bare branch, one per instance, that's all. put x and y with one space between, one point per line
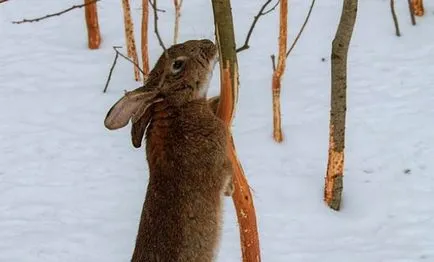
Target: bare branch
154 7
411 9
158 9
54 14
301 29
111 72
255 20
2 1
395 18
118 53
124 56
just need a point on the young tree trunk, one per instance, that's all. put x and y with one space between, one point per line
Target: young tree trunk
93 34
278 73
144 42
129 35
395 18
178 4
418 7
334 177
242 196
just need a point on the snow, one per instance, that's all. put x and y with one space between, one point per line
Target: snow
71 190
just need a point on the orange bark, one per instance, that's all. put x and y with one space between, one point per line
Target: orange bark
93 34
278 73
418 7
144 42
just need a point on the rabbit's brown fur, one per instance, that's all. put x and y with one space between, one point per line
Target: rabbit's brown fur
186 151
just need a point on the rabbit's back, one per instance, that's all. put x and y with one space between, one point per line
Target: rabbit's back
186 150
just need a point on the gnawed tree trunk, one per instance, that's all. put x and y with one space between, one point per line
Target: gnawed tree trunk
418 7
93 34
279 71
129 35
242 196
144 42
334 177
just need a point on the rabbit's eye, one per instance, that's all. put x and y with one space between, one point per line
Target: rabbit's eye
177 66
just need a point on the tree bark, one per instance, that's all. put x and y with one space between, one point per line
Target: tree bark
129 35
144 42
242 196
280 70
334 177
93 34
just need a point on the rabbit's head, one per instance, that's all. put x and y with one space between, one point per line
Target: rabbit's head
181 75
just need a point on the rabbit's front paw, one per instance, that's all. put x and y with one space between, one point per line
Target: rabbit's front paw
229 188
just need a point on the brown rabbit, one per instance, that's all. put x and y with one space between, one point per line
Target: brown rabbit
186 152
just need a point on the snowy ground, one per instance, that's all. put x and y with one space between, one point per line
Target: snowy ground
70 190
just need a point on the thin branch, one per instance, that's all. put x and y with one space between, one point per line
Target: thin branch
2 1
54 14
301 29
154 6
158 9
273 62
111 71
124 56
411 9
395 18
255 20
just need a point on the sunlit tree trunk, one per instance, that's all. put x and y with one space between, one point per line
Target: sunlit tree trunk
334 177
242 196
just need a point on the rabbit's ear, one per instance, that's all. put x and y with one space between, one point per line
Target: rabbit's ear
138 129
133 102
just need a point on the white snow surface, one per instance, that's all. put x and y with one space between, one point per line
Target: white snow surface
71 190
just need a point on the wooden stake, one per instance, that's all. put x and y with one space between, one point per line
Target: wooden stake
129 35
334 177
278 73
144 42
93 34
242 196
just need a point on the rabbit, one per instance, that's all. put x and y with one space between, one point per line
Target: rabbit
186 145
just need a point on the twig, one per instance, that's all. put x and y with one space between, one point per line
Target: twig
154 6
411 9
124 56
158 9
395 18
255 20
54 14
111 71
2 1
273 62
301 29
118 53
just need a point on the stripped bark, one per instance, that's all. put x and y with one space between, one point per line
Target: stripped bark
418 7
178 4
280 70
129 35
334 177
144 40
242 196
93 34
